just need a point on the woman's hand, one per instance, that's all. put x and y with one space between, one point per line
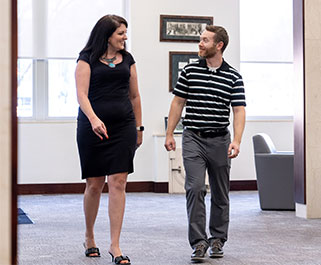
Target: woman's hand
99 128
139 138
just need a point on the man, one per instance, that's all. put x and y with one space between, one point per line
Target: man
208 88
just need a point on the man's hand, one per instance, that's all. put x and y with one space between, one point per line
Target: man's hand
170 143
174 115
234 149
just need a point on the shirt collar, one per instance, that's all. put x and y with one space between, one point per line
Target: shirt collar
224 66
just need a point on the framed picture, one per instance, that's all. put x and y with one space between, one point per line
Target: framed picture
179 127
177 61
182 28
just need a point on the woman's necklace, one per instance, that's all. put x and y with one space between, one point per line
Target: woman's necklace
110 62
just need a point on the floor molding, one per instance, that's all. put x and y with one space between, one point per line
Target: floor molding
143 186
61 188
237 185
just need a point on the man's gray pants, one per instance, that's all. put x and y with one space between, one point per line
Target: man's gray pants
211 154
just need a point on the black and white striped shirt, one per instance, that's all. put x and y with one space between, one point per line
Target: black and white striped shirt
209 94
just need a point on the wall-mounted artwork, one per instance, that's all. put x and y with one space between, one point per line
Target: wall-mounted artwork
179 127
182 28
177 61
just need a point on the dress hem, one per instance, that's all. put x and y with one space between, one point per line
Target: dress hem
108 174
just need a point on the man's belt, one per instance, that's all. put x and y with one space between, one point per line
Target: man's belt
210 133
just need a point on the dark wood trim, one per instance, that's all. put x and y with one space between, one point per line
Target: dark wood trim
237 185
14 130
161 187
61 188
299 115
145 186
57 188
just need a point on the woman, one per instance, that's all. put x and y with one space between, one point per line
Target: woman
109 125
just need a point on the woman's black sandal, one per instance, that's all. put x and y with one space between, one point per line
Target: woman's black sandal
119 259
90 251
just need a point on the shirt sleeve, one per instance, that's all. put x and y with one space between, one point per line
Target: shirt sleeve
181 89
131 59
238 93
84 56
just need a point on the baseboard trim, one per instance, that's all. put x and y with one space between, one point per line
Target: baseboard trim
142 186
74 188
238 185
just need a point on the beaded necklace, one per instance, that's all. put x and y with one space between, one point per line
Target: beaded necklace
110 62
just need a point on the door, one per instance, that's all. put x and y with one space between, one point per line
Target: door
177 172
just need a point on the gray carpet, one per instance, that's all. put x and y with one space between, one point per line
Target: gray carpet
155 232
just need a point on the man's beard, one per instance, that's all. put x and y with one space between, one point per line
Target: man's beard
208 53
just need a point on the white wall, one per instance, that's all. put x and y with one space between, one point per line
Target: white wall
48 152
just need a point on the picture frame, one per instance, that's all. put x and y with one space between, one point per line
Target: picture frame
177 60
183 28
179 127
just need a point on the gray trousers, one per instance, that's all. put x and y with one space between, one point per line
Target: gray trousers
201 154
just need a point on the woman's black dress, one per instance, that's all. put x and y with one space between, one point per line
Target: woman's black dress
109 97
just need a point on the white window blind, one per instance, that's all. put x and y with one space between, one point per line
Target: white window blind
266 35
70 23
51 35
266 30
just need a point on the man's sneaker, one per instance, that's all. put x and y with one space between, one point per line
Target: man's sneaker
199 252
216 249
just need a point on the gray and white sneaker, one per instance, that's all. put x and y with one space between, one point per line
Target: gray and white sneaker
216 249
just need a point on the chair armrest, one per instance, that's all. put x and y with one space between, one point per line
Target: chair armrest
285 152
282 155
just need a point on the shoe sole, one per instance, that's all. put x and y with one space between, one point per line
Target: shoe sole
197 260
215 256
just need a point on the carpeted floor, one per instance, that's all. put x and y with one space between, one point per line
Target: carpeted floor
155 232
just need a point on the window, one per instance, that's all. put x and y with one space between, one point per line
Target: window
51 35
25 65
62 98
267 56
25 74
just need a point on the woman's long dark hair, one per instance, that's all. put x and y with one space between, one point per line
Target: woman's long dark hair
98 40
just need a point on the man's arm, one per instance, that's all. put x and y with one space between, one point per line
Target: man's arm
238 127
174 116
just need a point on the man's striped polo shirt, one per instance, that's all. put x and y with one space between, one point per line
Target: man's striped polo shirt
209 94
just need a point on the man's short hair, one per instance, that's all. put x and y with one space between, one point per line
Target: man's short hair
220 35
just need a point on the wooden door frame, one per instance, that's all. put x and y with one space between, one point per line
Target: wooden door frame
14 130
299 116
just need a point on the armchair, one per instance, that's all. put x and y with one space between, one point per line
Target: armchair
274 172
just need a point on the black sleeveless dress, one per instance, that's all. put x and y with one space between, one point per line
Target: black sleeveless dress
109 96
